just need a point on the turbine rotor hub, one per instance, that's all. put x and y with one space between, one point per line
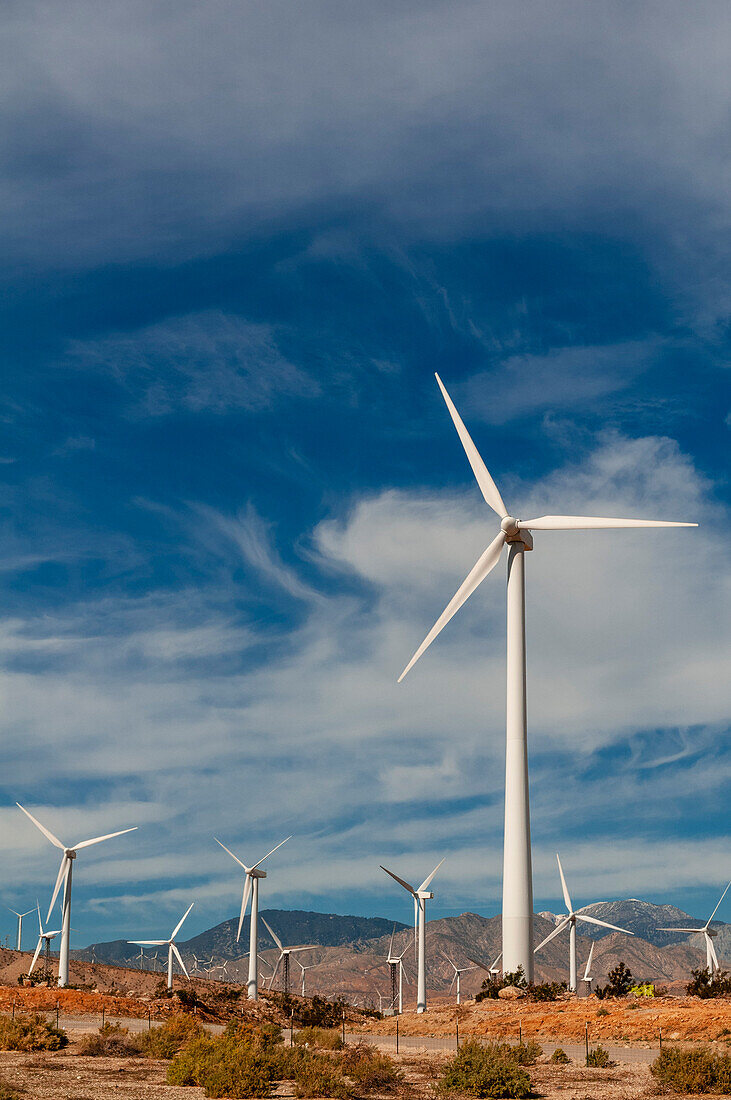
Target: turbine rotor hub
510 526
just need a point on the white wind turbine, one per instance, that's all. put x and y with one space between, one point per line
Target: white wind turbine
708 933
44 938
284 954
20 923
569 921
420 895
304 968
396 968
458 972
65 876
517 874
171 946
251 890
587 968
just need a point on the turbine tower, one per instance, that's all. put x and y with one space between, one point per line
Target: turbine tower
304 968
64 876
458 972
709 934
251 890
20 923
43 938
420 895
517 917
569 921
284 953
171 946
395 964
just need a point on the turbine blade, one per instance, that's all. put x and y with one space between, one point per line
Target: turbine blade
603 924
275 971
451 984
61 877
35 956
179 957
273 934
712 949
723 895
390 945
281 842
400 881
479 469
46 832
179 925
552 935
497 960
428 879
590 523
232 855
244 902
148 943
688 930
587 968
484 565
564 887
481 965
98 839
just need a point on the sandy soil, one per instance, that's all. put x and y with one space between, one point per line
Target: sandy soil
621 1021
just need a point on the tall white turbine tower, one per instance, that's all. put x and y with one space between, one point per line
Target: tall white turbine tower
421 895
64 876
708 933
20 923
171 946
517 873
251 890
569 921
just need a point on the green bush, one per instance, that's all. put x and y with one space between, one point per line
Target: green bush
705 984
167 1040
494 983
371 1070
693 1071
546 991
326 1038
318 1075
110 1040
598 1057
619 984
222 1067
32 1032
485 1071
526 1054
560 1057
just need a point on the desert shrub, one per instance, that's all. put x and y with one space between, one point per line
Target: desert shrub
619 984
222 1067
705 984
6 1093
188 997
318 1075
371 1070
546 991
526 1054
699 1070
602 1011
485 1071
560 1057
167 1040
109 1040
494 983
32 1032
318 1012
598 1057
326 1038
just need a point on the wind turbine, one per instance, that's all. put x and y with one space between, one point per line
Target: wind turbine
709 934
171 946
304 968
493 970
284 953
20 923
420 895
517 875
587 968
64 876
251 890
458 971
43 938
140 958
569 921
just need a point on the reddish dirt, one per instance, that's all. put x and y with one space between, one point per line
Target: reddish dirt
621 1021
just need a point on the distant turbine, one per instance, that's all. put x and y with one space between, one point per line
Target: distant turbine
20 923
284 953
420 895
64 876
171 946
709 934
304 968
395 964
517 873
43 938
587 968
493 970
458 972
251 890
569 921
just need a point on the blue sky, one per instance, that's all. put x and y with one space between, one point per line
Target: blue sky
238 240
